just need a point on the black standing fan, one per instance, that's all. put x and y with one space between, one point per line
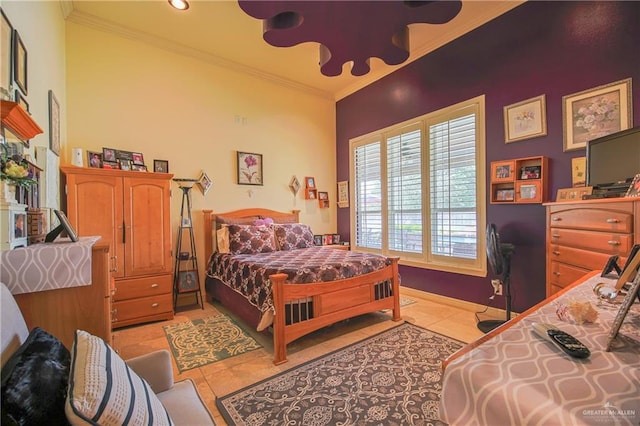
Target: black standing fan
499 256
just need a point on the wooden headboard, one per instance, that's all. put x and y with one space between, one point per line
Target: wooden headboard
210 222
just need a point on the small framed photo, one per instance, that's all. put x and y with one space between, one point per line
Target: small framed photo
317 240
161 166
20 100
335 238
504 195
343 193
528 192
596 112
502 171
249 168
110 164
109 154
525 120
137 158
124 164
310 182
327 239
187 281
579 171
530 172
573 194
311 193
54 123
204 182
186 222
139 167
19 62
124 155
294 185
94 159
323 195
634 188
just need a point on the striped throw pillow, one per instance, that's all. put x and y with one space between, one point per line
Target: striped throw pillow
104 390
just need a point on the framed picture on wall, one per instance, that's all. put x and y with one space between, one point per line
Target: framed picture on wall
596 112
19 62
6 56
249 168
525 120
54 124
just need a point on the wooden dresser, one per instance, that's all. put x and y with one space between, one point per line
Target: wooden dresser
582 235
131 210
62 311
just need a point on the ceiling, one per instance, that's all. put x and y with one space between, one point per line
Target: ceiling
219 32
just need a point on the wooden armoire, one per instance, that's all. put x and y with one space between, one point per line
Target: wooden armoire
131 210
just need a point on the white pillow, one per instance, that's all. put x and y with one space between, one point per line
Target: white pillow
104 390
222 237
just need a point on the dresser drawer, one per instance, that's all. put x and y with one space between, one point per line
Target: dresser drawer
604 242
143 287
602 219
562 274
142 307
589 260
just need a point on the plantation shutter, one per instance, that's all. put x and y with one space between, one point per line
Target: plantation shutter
404 190
452 150
368 195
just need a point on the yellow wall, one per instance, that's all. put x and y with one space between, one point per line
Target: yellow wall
41 27
126 94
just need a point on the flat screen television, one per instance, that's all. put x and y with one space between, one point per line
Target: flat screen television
613 159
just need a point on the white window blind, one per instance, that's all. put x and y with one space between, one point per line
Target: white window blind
418 192
404 191
368 195
452 148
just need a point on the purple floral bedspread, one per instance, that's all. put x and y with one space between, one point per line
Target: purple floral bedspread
248 274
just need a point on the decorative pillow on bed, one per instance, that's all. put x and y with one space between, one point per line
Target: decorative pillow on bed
104 390
250 239
292 236
34 381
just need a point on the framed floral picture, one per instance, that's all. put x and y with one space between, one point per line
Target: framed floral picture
596 112
249 168
526 119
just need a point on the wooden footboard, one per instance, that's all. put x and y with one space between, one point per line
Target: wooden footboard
324 303
332 302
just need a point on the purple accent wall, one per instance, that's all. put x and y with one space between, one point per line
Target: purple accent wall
551 48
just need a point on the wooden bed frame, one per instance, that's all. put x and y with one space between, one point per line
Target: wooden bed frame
332 301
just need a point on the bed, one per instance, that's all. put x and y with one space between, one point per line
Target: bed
297 297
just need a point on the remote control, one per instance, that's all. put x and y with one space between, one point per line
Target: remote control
563 340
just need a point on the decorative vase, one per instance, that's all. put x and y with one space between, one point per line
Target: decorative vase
7 193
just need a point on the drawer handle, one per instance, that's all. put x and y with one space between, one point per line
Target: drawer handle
154 285
555 236
154 305
614 243
114 312
556 252
613 220
556 219
557 274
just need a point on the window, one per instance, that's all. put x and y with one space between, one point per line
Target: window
419 190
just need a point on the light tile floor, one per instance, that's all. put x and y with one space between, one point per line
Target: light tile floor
231 374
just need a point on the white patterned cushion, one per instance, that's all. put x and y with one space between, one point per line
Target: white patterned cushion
104 390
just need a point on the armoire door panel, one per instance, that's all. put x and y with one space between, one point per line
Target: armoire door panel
148 233
97 210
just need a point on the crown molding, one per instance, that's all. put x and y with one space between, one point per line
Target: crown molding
103 25
67 7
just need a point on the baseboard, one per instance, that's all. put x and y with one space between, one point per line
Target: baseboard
456 303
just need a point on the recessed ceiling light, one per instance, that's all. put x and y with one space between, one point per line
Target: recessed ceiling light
179 4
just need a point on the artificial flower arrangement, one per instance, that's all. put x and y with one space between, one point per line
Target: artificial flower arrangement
15 169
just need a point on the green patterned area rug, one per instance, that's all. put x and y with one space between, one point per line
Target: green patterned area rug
392 378
207 340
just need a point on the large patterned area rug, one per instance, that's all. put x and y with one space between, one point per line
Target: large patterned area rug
392 378
203 341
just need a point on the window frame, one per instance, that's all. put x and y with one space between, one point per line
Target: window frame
427 260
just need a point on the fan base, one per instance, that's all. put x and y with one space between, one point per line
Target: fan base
488 325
